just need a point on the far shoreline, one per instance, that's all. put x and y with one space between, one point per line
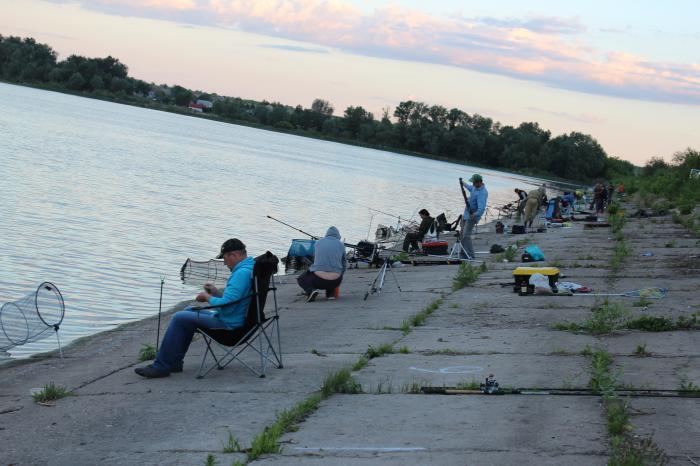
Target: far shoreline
547 177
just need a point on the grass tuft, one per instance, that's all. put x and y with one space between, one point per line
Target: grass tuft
340 382
147 352
50 392
232 445
466 275
642 351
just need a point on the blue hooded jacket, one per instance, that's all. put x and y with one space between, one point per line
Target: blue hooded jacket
237 287
330 253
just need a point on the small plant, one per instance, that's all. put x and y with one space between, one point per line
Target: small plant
50 392
454 306
402 256
651 324
642 351
627 451
466 275
379 351
587 351
470 385
316 352
266 441
606 318
671 244
688 386
361 362
404 350
147 352
688 322
617 412
613 208
446 351
232 446
405 327
411 388
340 382
602 380
509 254
210 461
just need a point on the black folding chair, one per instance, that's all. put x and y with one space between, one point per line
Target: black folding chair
259 333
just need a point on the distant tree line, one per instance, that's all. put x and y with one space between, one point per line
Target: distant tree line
416 127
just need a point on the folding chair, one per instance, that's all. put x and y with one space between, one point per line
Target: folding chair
260 333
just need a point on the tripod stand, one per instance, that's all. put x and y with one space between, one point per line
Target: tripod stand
378 282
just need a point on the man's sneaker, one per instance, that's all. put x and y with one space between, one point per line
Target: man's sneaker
312 296
151 372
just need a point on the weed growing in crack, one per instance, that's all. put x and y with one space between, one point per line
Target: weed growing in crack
340 382
50 392
232 445
642 351
466 275
147 352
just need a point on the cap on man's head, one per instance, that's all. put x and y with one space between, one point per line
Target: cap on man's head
233 244
476 178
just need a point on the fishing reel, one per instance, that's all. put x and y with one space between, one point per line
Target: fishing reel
489 386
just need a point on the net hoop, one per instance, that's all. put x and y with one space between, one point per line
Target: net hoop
48 286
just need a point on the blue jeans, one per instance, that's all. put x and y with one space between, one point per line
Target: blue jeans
466 239
178 337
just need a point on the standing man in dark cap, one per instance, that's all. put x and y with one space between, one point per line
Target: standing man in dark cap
476 205
231 315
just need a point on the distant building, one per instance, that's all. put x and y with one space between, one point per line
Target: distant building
196 107
205 103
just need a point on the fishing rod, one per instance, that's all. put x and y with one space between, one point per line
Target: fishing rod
357 246
293 228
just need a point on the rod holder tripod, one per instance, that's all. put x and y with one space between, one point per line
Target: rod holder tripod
378 282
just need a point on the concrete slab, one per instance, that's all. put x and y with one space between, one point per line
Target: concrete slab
533 426
397 371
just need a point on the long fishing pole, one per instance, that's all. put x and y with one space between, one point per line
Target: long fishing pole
160 307
355 246
293 228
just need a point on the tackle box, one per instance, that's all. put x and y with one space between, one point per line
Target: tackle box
435 248
522 276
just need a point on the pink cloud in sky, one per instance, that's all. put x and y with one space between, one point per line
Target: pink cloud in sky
548 50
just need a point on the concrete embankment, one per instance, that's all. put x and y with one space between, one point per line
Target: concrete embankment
116 417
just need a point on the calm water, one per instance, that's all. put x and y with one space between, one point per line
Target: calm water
105 199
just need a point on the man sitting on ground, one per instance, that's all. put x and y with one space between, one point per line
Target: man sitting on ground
234 301
412 238
326 273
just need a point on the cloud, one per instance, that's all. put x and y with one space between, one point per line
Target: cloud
543 49
295 48
580 118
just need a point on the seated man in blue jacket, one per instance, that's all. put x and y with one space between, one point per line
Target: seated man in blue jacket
178 337
326 273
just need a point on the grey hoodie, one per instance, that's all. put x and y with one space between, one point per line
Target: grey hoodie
330 253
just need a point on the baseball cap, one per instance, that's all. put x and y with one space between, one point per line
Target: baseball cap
476 177
233 244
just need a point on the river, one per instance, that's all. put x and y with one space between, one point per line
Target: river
104 199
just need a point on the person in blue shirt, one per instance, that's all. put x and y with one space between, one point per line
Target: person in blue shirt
179 334
476 205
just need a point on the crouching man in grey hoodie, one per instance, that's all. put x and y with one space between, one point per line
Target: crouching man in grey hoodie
326 273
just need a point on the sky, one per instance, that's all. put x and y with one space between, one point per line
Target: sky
625 72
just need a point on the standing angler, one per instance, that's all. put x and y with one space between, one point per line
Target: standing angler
476 205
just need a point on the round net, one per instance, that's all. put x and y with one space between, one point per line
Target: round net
28 318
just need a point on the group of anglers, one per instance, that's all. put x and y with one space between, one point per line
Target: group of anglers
324 275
